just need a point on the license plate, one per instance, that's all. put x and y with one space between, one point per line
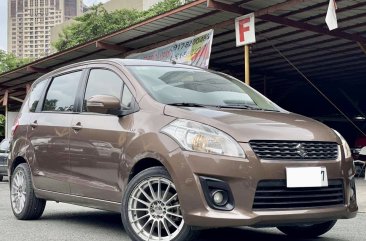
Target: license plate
306 177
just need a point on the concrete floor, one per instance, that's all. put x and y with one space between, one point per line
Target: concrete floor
68 222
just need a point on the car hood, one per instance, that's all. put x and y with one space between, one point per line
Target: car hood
246 125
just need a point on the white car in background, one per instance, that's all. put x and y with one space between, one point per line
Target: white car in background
4 152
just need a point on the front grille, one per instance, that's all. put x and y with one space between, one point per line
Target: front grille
274 194
304 150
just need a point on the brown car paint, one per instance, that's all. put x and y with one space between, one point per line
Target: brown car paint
87 158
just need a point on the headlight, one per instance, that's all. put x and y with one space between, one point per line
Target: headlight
347 150
194 136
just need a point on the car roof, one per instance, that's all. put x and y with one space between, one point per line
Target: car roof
119 61
142 62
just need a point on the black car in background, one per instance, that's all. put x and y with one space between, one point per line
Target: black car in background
4 152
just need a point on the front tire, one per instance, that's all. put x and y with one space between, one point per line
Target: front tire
24 203
151 209
308 231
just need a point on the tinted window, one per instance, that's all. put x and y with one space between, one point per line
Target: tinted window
62 92
35 95
103 82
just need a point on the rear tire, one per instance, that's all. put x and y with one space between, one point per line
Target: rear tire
308 231
1 178
24 203
151 208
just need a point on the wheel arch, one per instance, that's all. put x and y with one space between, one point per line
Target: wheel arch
16 162
144 164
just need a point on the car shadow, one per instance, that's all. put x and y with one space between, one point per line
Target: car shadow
90 219
111 222
250 234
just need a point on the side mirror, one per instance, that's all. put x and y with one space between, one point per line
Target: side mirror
103 104
363 151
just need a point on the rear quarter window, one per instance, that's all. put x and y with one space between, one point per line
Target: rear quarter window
36 94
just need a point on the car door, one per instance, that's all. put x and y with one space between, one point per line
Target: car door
97 140
49 132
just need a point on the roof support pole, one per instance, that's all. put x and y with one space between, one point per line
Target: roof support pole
6 122
5 103
5 98
27 88
246 64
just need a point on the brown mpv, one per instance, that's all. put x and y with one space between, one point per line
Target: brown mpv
175 149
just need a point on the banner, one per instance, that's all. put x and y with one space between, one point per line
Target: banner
195 50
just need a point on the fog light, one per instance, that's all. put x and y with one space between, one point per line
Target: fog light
217 193
219 197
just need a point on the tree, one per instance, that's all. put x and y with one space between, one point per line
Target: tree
10 61
98 22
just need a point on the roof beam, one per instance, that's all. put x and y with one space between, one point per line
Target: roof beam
362 46
107 46
277 7
16 98
36 69
261 14
264 11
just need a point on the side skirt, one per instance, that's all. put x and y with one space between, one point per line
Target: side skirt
79 200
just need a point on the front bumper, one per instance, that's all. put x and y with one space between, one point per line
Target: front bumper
242 176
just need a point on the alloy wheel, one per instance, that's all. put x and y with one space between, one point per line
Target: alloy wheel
154 210
18 192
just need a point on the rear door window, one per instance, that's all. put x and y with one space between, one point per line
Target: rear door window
62 92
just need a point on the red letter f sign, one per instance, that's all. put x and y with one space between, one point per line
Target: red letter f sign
244 29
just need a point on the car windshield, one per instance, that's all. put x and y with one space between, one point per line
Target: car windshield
4 145
198 88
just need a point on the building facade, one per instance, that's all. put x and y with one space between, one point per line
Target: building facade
130 4
30 23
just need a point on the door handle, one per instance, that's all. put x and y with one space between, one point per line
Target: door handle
34 124
77 127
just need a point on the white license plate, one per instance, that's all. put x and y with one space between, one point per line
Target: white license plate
306 177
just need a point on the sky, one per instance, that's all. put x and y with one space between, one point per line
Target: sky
4 19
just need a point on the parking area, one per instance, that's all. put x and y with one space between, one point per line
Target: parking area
69 222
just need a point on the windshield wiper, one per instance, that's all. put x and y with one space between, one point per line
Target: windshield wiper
240 106
187 104
246 107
